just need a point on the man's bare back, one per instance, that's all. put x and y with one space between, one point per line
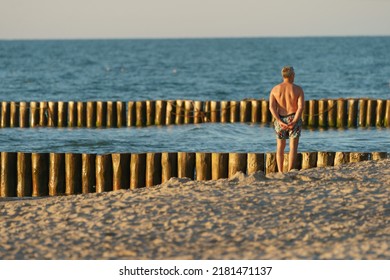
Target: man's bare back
286 96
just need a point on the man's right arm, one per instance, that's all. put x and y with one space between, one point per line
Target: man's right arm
300 105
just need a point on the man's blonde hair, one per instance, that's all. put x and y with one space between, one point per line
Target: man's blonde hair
287 71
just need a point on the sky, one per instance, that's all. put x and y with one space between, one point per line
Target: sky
105 19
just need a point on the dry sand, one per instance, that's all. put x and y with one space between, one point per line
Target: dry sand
324 213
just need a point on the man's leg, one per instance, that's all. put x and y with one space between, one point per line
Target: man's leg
293 153
280 145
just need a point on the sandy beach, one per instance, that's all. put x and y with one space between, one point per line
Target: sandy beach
323 213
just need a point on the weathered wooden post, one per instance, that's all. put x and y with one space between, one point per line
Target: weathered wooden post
179 112
270 163
120 114
52 111
309 160
8 175
103 173
256 111
237 163
43 113
341 158
378 155
265 112
332 113
169 166
56 174
150 112
245 110
203 166
215 109
62 114
73 179
111 120
325 159
188 111
386 121
161 112
342 117
5 114
81 114
72 114
121 171
206 115
198 112
14 114
234 111
34 114
362 112
140 111
186 165
24 178
40 174
313 113
153 169
137 171
323 113
170 115
91 114
255 163
357 157
219 165
371 112
225 111
131 117
101 114
305 115
380 112
352 113
88 173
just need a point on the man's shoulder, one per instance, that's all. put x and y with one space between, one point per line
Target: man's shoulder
297 87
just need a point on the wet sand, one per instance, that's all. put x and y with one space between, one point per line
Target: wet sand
323 213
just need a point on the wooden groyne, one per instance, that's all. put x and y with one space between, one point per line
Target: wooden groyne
51 174
322 113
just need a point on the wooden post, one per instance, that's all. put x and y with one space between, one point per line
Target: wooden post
188 111
169 166
245 111
170 115
179 112
309 160
161 112
206 115
352 113
203 166
255 163
103 173
186 165
43 113
219 165
91 114
270 163
56 174
52 114
325 159
305 115
198 112
313 113
256 111
101 114
237 162
378 155
137 171
73 179
215 110
265 112
380 112
14 114
342 117
120 114
371 112
34 114
341 158
120 170
8 174
111 120
140 113
88 173
5 114
150 112
323 113
72 114
24 177
40 174
131 117
234 111
386 121
362 112
225 111
332 113
357 157
153 169
81 114
62 114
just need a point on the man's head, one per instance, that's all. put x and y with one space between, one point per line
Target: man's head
288 72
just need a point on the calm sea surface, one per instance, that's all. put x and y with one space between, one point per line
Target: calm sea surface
200 69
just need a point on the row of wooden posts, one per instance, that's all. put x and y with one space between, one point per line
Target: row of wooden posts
43 174
317 113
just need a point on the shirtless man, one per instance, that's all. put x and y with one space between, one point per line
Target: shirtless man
286 103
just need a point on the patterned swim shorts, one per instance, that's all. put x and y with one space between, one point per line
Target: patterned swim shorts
286 133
